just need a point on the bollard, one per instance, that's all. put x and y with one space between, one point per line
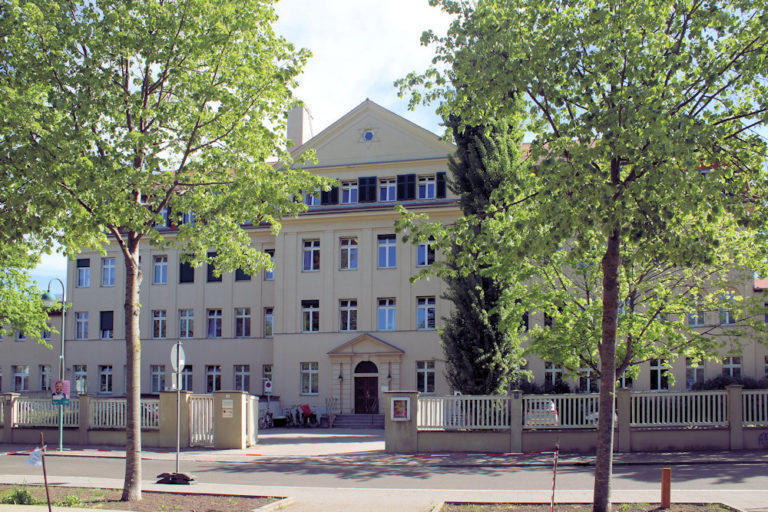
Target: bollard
666 481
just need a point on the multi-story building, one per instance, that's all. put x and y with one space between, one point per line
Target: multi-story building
337 318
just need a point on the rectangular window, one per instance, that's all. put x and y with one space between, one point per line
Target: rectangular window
588 383
310 313
425 377
732 367
387 315
160 269
83 272
242 377
387 251
186 378
20 378
269 275
241 275
425 255
47 335
156 378
367 189
214 323
309 378
45 377
186 323
348 315
659 378
159 324
348 256
242 322
694 373
553 375
269 322
625 381
20 336
387 189
212 378
106 325
311 255
425 313
107 271
81 325
726 315
186 272
105 379
312 198
348 192
427 187
81 378
406 187
696 319
210 275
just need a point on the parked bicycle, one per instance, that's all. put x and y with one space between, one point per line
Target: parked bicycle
266 421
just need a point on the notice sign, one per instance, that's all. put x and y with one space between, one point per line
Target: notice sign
60 395
227 408
401 408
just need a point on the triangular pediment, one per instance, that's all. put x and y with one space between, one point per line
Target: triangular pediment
366 344
368 134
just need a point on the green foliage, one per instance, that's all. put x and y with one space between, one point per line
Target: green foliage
18 496
71 500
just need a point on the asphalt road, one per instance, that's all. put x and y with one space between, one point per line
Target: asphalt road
384 472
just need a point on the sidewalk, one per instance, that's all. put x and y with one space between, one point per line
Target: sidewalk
367 447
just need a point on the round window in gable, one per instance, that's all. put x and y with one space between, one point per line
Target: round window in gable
368 135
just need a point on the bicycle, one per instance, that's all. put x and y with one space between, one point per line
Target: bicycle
266 421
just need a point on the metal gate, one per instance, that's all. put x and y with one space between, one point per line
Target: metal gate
201 420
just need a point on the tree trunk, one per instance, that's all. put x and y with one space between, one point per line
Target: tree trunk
132 484
601 500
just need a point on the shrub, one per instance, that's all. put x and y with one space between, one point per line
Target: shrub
18 496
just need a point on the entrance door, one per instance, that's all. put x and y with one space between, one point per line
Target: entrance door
366 395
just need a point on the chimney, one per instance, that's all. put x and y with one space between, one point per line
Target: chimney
299 125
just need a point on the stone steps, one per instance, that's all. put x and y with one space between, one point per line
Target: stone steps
359 421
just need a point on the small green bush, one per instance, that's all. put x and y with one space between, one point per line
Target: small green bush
18 496
70 500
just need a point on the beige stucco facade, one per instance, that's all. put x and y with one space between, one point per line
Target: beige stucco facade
368 143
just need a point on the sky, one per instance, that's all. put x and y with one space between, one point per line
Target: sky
359 48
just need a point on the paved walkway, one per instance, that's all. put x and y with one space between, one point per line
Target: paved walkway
364 446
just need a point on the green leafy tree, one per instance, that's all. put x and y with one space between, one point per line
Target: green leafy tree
642 113
153 110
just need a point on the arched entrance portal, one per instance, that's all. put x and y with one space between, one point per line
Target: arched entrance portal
366 388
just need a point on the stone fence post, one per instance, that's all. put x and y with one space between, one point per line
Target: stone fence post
735 416
8 419
516 421
401 411
84 420
624 415
168 409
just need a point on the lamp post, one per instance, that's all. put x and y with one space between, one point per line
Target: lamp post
49 300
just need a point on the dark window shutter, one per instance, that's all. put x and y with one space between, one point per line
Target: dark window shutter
367 189
241 275
107 320
83 262
440 184
330 196
211 267
406 187
186 272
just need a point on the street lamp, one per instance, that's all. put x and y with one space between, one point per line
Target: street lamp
49 300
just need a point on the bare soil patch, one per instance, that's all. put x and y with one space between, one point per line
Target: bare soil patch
581 507
151 501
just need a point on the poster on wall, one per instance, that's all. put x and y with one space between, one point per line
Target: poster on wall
401 408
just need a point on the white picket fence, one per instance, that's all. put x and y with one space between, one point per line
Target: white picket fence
702 408
112 413
201 420
41 412
754 407
486 412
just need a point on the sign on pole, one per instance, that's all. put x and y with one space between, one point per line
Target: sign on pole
178 358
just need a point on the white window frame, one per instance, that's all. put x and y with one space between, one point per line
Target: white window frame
553 374
387 190
310 263
309 382
45 377
81 325
242 377
20 377
694 373
108 272
348 253
242 322
310 316
312 198
269 275
425 254
186 323
349 193
212 378
425 377
347 315
106 383
732 367
659 381
426 187
186 378
83 278
159 324
426 313
387 311
215 323
726 315
156 378
160 269
269 322
80 373
588 383
387 251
